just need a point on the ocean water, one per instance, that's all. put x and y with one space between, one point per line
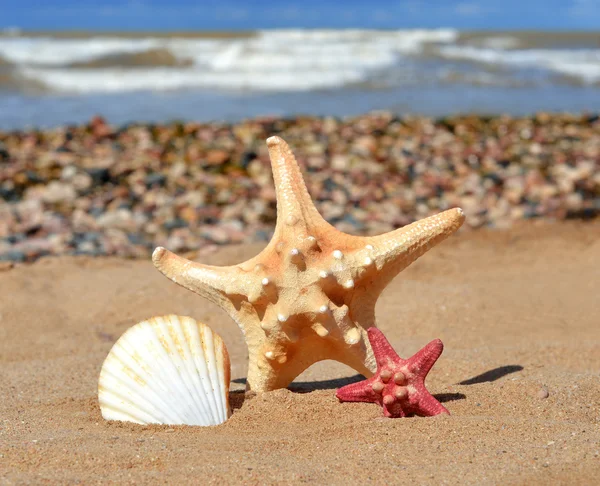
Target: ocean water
58 78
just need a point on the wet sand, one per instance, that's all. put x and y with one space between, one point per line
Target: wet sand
518 312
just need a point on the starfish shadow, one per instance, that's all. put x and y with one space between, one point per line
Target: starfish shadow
449 397
308 386
492 375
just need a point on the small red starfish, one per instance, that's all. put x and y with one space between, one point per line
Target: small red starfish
399 384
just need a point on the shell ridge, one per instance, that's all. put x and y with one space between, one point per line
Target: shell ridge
184 335
215 401
151 390
203 372
120 399
112 411
148 347
174 329
223 394
209 341
177 365
132 390
201 366
220 379
186 328
121 362
166 370
174 390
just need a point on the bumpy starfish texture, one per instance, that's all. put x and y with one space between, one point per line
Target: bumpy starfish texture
399 384
310 294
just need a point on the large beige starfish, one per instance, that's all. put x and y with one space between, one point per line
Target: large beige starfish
310 294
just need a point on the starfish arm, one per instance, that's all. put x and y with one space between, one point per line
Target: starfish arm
361 391
265 375
427 405
393 410
382 349
393 252
423 360
293 201
210 282
363 309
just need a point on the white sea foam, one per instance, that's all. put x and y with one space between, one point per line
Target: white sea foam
275 60
581 63
160 79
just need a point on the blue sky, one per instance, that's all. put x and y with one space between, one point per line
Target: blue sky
240 14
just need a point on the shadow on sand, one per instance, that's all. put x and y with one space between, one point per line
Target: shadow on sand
309 386
492 375
237 398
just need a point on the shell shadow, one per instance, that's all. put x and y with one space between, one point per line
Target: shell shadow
236 399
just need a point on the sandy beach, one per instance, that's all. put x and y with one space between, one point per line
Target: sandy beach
462 136
517 310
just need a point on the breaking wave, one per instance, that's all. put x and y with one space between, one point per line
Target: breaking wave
285 60
579 63
276 60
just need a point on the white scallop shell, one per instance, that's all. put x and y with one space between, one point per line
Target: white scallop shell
166 370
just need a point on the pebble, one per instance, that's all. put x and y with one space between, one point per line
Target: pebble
543 393
155 179
104 190
57 192
13 256
99 175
